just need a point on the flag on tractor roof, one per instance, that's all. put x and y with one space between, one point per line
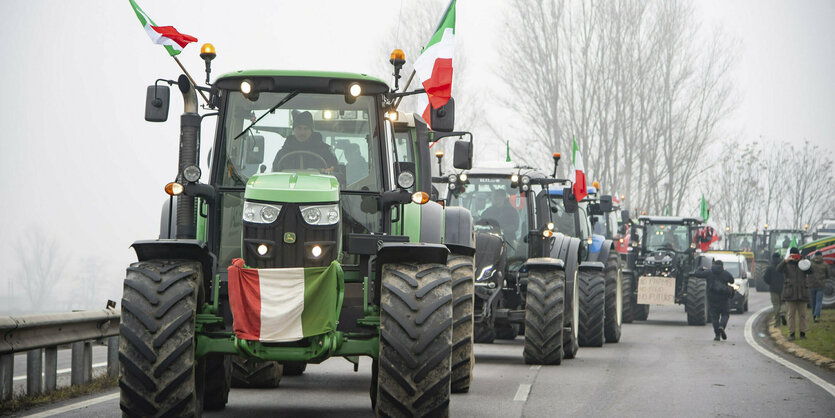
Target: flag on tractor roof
577 173
705 211
793 244
167 36
434 65
284 304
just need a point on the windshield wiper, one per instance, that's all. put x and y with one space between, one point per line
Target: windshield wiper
272 109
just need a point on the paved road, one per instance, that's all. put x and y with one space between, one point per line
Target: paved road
661 367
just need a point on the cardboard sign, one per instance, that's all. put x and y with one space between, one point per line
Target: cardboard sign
656 290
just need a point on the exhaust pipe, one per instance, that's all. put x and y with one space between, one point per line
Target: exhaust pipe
189 155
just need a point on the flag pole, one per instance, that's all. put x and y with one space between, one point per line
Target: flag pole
190 79
405 87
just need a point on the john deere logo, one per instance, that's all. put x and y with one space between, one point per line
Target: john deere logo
289 237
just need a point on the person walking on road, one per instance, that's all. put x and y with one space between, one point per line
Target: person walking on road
719 294
774 280
816 282
795 293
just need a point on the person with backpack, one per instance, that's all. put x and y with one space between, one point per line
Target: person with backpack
795 293
774 280
719 293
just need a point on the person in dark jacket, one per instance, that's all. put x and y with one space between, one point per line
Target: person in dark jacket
719 293
795 293
816 282
774 280
305 141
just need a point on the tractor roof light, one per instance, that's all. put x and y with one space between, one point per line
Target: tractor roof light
174 188
596 184
420 198
207 52
398 54
514 178
249 90
463 177
392 115
355 89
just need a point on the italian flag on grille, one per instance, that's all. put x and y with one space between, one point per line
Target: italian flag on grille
434 65
284 304
167 36
577 173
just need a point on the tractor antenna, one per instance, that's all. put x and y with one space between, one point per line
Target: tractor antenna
557 157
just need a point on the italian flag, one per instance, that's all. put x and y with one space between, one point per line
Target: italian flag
577 173
793 244
284 304
167 36
704 211
434 65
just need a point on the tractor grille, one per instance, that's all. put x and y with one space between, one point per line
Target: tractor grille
282 254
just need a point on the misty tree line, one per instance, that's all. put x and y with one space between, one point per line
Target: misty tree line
782 185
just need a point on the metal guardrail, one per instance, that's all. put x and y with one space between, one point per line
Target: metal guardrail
40 335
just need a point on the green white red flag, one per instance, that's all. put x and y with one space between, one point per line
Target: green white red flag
167 36
434 65
577 173
284 304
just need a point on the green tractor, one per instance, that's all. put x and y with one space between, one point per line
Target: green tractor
295 254
768 242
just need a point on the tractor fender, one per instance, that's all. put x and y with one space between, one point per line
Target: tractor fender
177 249
168 219
559 247
431 223
545 263
591 266
458 231
602 254
596 246
410 252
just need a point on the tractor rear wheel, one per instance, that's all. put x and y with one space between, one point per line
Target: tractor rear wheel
696 302
413 373
294 368
544 314
157 333
614 298
592 308
628 306
484 331
254 373
759 272
463 293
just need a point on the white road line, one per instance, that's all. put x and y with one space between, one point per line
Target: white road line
537 367
522 392
749 337
62 371
74 406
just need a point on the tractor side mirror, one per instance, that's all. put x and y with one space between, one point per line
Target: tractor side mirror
157 99
255 149
624 216
462 156
569 202
606 203
443 118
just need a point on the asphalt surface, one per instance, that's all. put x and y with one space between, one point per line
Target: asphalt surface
661 367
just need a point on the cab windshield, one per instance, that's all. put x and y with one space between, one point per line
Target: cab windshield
667 237
783 240
313 133
739 242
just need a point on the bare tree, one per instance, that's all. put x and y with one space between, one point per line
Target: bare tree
808 186
736 187
42 265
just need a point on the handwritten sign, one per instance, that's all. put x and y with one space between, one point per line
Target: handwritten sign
656 290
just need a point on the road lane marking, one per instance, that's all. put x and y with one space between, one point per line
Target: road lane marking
522 392
749 338
74 406
62 371
537 367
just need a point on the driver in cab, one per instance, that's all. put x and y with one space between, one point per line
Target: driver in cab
502 212
305 145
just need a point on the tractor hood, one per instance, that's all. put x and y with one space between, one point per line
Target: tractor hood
292 188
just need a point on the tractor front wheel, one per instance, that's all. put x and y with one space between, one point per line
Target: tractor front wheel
592 308
254 373
463 293
544 314
413 368
696 302
614 299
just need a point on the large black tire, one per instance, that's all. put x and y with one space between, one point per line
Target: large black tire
614 299
254 373
759 272
484 332
463 291
696 302
544 314
626 283
218 380
294 368
413 374
507 331
571 319
592 308
829 291
157 375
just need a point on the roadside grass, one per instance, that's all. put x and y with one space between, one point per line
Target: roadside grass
820 336
22 402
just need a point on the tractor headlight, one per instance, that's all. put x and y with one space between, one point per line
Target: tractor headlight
463 177
526 179
405 179
260 213
320 214
191 173
514 178
452 178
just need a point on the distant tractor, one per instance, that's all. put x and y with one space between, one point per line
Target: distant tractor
663 258
767 243
293 255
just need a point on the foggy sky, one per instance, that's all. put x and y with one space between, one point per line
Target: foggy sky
78 161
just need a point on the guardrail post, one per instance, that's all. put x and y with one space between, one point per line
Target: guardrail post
113 356
82 362
6 376
34 371
50 368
